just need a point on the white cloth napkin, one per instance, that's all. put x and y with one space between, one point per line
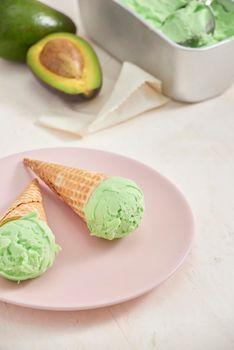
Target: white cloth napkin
134 92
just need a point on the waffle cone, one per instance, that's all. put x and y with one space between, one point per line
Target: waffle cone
30 200
74 186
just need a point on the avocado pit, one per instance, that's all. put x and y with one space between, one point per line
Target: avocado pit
62 57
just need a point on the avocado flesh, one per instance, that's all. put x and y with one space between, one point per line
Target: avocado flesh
24 22
66 63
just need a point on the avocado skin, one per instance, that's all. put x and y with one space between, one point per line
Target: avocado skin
24 22
79 97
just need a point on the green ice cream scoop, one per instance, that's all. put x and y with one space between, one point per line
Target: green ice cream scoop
155 11
191 25
188 22
224 20
27 248
115 208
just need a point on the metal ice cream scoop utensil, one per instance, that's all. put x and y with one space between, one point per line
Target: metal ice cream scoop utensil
207 2
210 23
210 26
228 5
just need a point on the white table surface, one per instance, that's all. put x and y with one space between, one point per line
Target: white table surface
193 145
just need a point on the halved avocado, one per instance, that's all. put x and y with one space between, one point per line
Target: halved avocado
68 64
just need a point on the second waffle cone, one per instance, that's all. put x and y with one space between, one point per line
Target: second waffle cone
30 200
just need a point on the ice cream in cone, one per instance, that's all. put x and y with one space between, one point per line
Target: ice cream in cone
27 245
111 206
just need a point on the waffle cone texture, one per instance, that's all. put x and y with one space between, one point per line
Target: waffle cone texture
30 200
74 186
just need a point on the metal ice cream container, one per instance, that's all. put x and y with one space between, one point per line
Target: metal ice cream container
187 74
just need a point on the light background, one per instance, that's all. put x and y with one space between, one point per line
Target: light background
190 144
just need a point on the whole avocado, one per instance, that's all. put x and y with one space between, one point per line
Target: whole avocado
24 22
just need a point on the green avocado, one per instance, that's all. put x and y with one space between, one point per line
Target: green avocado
24 22
67 64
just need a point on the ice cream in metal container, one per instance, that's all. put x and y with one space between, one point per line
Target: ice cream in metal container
188 74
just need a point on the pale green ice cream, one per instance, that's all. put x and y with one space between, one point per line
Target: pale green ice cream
224 21
115 208
155 11
27 248
187 26
186 21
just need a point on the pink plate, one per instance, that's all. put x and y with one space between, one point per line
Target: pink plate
90 272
